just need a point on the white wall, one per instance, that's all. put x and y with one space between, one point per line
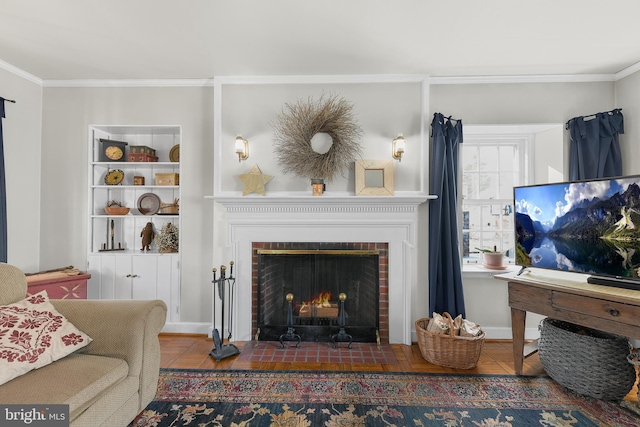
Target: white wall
21 131
382 110
67 114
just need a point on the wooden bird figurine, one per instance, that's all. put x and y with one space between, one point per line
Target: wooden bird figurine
147 235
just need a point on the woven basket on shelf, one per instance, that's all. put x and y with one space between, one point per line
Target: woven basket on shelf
452 351
587 361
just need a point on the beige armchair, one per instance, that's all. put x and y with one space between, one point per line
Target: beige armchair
106 383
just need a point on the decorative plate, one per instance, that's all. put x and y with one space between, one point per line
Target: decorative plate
114 177
148 204
174 154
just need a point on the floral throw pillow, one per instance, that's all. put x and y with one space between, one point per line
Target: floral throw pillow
33 334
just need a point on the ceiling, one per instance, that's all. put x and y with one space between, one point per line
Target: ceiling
201 39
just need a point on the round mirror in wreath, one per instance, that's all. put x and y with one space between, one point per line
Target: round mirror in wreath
317 139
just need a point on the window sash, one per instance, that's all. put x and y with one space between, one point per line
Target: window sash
488 177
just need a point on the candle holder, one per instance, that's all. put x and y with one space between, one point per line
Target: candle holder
290 335
342 335
225 286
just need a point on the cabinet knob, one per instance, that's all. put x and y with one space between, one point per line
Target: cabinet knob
614 312
128 275
135 275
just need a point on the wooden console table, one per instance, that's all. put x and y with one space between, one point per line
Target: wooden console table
613 310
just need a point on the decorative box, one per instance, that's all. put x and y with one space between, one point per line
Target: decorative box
142 149
167 179
142 153
142 157
138 180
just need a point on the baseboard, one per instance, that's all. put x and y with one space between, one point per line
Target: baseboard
187 328
505 333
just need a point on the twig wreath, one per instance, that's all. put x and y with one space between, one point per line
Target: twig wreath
299 122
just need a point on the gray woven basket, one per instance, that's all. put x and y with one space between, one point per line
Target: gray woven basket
589 362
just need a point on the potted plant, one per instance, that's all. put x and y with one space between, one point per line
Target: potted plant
492 258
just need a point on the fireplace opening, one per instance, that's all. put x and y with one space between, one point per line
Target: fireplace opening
316 278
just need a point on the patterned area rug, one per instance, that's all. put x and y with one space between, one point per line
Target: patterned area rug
285 398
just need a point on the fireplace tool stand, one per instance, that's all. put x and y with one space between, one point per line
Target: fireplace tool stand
290 335
226 287
342 321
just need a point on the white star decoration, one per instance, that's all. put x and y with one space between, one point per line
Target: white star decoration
254 181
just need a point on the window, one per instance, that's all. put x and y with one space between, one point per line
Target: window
491 164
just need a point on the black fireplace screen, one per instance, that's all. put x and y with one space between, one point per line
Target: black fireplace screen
316 278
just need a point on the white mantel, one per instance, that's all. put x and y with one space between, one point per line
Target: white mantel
294 217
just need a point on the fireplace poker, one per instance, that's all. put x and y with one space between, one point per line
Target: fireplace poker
232 287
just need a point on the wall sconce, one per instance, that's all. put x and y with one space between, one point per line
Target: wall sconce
242 148
397 147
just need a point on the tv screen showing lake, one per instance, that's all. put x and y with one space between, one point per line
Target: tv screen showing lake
588 227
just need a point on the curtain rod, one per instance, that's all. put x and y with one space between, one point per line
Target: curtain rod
615 110
447 117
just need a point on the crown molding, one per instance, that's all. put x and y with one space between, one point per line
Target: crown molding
19 72
323 79
335 79
628 71
366 78
553 78
129 83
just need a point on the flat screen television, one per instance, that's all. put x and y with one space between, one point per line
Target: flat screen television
590 227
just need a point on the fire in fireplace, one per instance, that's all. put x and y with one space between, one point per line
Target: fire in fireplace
316 278
321 305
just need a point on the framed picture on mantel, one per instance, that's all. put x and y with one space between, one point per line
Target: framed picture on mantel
374 178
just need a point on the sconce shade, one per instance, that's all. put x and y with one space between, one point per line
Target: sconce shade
242 148
398 146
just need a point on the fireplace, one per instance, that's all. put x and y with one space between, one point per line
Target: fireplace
361 221
316 274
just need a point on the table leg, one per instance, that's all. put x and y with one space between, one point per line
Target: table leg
518 318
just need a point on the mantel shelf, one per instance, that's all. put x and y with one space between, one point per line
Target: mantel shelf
406 198
303 202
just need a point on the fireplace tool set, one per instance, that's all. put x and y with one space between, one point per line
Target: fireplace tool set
225 287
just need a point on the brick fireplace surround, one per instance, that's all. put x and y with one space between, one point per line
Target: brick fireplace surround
391 220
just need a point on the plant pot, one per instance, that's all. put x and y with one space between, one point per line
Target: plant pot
167 250
493 260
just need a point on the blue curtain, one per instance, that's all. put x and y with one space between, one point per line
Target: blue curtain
3 194
445 272
595 148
